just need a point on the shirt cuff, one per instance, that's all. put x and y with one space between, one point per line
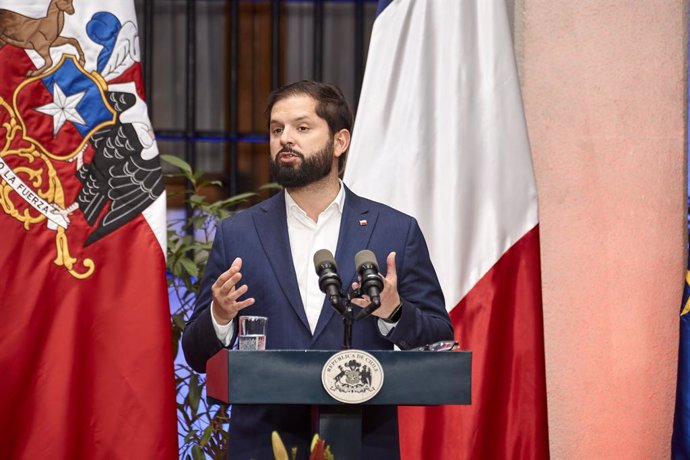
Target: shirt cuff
224 333
385 327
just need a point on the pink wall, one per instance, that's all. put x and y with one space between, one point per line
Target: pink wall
604 84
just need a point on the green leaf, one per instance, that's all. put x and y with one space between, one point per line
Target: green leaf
241 197
224 214
196 199
198 222
198 453
176 346
234 199
208 431
194 393
271 186
189 265
178 321
178 162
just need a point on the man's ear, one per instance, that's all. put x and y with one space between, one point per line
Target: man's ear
341 142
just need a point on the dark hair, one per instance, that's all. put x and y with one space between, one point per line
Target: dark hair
331 105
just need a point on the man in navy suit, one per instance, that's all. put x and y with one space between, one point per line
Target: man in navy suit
261 264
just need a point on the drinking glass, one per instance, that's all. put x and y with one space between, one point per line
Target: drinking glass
252 333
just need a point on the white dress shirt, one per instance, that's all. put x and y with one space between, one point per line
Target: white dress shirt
307 237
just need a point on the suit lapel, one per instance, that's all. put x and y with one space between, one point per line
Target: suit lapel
356 225
271 226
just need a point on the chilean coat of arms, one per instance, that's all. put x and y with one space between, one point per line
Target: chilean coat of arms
76 144
352 376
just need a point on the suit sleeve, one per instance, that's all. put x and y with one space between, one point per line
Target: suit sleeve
199 340
424 318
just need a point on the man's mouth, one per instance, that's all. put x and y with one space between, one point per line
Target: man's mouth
288 155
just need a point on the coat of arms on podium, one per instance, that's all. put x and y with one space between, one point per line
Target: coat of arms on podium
352 376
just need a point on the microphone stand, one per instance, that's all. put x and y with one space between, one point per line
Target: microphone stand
349 317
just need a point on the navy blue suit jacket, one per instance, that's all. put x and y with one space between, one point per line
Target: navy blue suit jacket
259 236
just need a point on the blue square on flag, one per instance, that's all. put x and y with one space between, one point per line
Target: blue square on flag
59 109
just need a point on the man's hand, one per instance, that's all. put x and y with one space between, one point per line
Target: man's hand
390 299
225 304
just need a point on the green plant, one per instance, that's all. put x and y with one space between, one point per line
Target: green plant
202 428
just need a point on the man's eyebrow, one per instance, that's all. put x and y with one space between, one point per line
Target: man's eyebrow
302 118
299 119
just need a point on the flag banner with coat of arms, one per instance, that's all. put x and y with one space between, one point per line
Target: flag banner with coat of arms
86 349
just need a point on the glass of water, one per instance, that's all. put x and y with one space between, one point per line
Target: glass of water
252 333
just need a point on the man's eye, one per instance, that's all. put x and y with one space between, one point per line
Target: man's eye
277 131
303 128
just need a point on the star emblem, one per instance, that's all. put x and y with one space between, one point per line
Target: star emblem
63 108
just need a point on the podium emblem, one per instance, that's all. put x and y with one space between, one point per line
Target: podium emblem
352 376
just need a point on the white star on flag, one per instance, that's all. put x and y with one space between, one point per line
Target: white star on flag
63 108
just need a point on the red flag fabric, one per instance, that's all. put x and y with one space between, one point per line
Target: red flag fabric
440 134
86 349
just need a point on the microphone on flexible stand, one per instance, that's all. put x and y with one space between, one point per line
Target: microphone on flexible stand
331 284
329 280
370 280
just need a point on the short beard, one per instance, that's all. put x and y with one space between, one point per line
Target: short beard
312 169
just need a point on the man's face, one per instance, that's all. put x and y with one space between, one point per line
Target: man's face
302 148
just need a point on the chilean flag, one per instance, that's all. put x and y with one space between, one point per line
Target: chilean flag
440 134
86 347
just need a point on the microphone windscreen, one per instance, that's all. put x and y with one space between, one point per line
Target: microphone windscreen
321 257
365 256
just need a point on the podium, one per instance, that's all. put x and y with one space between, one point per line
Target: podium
411 378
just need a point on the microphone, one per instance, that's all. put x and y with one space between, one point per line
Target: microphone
329 280
370 281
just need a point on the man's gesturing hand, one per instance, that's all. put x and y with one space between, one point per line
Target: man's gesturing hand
225 304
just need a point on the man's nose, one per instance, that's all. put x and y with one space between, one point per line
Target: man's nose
286 137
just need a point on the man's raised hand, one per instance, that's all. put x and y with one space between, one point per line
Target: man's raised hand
390 299
225 294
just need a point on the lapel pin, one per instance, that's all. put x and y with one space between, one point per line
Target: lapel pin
362 222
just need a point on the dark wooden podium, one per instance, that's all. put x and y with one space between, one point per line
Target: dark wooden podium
412 378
